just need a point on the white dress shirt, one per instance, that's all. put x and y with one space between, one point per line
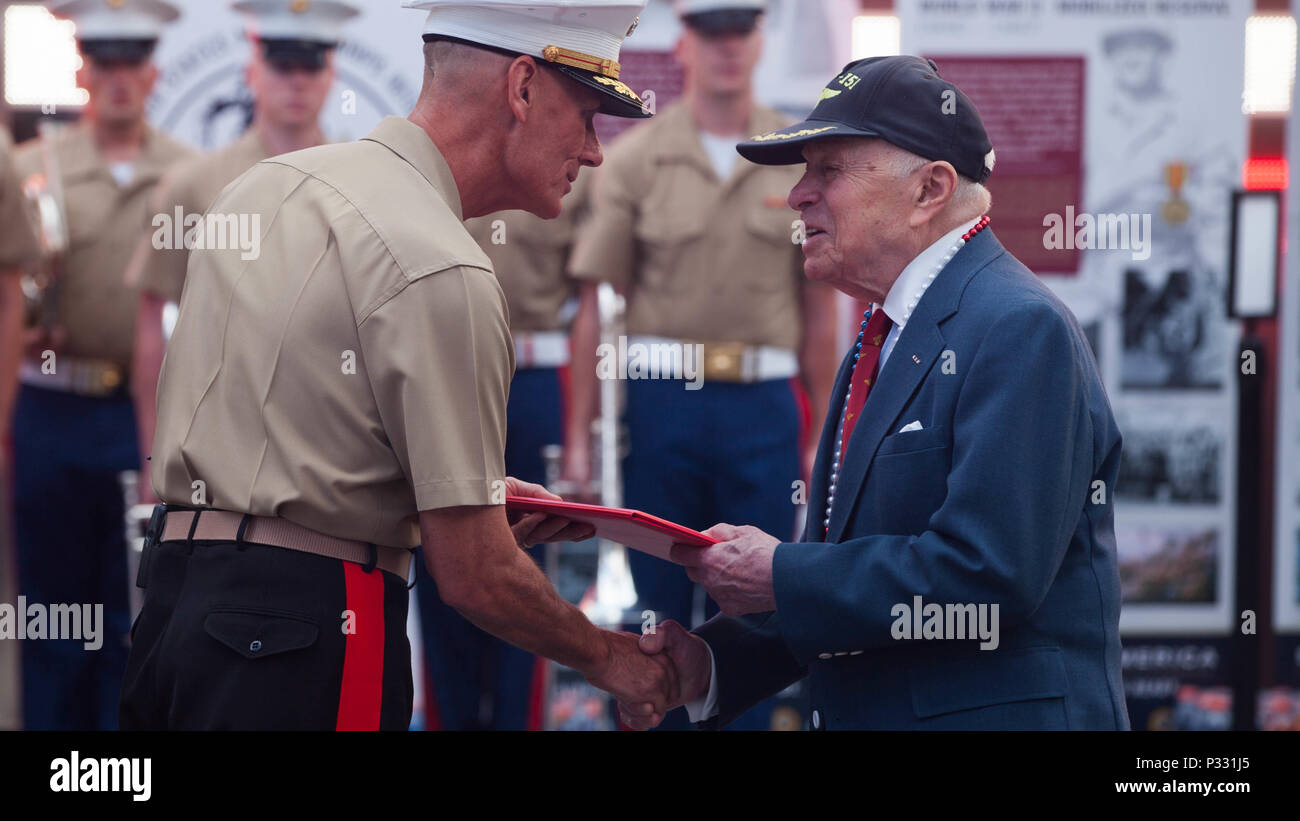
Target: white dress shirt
903 297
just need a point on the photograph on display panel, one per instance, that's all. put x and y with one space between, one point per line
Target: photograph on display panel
1171 455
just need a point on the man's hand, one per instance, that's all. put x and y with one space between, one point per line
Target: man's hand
536 528
737 571
646 686
690 659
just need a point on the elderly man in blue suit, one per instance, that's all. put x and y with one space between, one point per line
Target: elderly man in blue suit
958 568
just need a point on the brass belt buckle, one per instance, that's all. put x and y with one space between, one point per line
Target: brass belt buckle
724 361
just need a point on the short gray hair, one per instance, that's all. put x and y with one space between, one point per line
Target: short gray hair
969 196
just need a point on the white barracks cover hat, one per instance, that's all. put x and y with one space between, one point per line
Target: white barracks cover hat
721 15
580 38
116 29
296 32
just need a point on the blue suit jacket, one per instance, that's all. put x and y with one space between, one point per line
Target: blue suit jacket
994 501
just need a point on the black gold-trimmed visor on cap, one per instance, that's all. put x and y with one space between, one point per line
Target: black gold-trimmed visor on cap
723 20
112 51
618 99
285 53
785 146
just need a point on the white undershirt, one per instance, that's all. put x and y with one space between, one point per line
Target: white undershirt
123 173
911 284
722 153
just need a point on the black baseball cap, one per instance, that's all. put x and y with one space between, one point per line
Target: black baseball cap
901 100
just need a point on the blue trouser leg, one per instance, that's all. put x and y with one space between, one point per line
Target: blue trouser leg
468 666
71 546
724 453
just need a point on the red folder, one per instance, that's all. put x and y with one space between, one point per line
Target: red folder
638 530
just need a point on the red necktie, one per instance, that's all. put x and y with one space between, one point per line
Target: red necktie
864 372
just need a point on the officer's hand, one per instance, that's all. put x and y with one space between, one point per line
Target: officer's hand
537 528
690 658
645 686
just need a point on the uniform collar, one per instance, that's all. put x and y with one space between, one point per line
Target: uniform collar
911 283
79 156
412 143
681 141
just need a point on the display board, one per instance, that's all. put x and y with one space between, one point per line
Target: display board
1140 250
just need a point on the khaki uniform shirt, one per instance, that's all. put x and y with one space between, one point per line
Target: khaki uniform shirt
95 305
531 257
700 258
19 245
354 373
192 186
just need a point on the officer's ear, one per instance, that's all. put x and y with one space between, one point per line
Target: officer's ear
521 79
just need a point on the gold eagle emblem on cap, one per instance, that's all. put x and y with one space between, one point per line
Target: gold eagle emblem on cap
299 6
115 4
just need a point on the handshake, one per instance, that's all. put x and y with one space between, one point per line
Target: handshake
654 673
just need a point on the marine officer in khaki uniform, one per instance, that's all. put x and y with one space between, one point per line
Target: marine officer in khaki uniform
19 247
704 246
340 398
476 680
73 424
290 73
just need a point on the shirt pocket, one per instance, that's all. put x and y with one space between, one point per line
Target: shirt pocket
665 238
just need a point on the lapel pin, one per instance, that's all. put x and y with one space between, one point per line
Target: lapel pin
916 359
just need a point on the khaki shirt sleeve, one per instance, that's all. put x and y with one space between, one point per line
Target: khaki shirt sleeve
19 245
605 250
440 359
162 271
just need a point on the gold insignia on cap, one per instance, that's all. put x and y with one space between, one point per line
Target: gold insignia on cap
803 132
116 4
564 56
828 93
632 28
619 86
299 6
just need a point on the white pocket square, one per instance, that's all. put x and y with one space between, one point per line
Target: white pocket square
910 426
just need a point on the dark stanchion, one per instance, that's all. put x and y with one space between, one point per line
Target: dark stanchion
1251 512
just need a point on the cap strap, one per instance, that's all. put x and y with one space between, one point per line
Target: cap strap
576 59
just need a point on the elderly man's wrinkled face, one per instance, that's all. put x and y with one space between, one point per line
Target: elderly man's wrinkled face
560 139
855 214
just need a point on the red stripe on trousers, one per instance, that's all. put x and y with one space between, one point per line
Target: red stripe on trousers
362 693
537 697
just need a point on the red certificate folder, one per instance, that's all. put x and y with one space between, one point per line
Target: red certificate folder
638 530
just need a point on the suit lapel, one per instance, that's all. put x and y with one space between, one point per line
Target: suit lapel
917 348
